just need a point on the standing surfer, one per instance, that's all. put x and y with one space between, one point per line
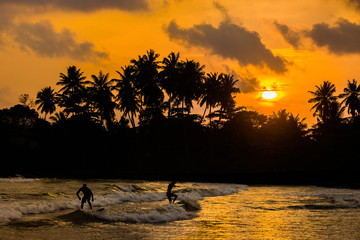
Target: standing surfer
169 194
87 194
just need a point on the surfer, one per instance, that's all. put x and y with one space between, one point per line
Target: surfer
87 194
169 194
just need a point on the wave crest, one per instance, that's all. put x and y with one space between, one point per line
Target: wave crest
166 213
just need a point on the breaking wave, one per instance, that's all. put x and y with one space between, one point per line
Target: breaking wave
166 213
338 199
210 191
18 180
189 196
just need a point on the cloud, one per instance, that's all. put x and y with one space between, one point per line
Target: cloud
342 38
354 3
248 85
229 41
42 39
223 10
167 3
7 15
292 37
82 5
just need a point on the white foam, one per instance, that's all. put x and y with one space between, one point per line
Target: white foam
211 190
15 210
119 197
18 209
167 213
18 180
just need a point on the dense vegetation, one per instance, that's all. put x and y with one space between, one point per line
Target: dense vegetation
140 125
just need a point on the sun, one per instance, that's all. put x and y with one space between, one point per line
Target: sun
269 95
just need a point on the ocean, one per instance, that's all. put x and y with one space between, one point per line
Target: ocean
49 209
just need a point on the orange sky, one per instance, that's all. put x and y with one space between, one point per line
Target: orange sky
293 45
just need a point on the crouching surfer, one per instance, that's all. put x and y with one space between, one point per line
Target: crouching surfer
87 195
169 194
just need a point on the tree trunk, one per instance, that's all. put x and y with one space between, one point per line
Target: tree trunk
132 120
210 115
169 110
202 118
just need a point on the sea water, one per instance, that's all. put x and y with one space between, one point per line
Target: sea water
49 209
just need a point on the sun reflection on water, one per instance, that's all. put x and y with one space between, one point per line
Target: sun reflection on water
268 213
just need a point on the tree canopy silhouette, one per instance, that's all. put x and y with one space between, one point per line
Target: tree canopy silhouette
128 96
72 93
323 99
101 97
46 99
157 97
351 98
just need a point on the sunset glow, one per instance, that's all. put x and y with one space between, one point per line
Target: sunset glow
269 95
283 40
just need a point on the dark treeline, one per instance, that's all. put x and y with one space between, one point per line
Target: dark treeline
141 125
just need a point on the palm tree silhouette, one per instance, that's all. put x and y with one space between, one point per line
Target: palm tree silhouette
336 112
226 99
59 117
296 123
170 77
189 87
351 98
101 96
323 98
72 93
147 79
285 123
46 100
227 90
280 116
127 97
210 92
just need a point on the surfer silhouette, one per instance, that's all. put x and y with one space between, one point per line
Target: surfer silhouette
169 194
87 194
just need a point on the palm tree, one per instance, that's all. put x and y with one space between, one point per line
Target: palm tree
59 117
226 99
286 123
280 116
127 97
189 87
227 89
296 123
46 100
72 93
336 112
101 97
147 79
323 98
73 81
210 92
351 98
170 77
